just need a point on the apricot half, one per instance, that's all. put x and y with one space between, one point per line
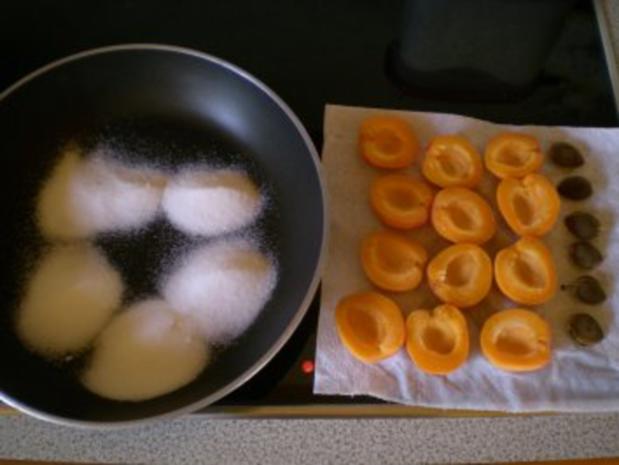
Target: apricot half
387 142
393 262
370 326
452 161
513 155
461 215
438 340
401 201
460 275
529 205
516 340
525 272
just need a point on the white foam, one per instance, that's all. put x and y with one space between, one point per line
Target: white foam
222 286
145 352
83 197
70 297
211 202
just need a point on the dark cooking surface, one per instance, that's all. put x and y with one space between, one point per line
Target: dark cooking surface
310 53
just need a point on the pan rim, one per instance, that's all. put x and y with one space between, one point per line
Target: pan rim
312 288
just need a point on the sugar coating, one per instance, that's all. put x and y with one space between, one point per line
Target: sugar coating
222 287
146 351
210 202
69 298
86 196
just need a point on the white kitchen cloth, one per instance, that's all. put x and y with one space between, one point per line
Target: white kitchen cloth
577 379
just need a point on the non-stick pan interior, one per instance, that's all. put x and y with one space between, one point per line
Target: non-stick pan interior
168 108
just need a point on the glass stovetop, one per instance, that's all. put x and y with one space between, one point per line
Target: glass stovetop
312 53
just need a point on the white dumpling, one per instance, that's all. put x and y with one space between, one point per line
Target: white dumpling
145 352
222 286
208 203
69 298
87 196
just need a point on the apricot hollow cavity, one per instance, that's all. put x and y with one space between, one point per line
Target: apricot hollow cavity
516 340
387 142
513 155
529 205
462 215
392 261
401 201
525 272
460 275
438 340
370 326
452 161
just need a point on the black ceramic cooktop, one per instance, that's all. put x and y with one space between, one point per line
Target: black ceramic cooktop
491 59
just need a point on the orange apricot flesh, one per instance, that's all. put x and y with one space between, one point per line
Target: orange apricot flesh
460 275
392 261
387 142
462 215
452 161
516 339
530 206
438 340
513 155
525 272
401 201
370 326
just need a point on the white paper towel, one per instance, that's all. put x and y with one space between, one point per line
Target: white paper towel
577 379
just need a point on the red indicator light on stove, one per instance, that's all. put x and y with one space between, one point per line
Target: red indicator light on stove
307 367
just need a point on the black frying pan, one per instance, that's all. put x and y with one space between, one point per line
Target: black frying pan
175 106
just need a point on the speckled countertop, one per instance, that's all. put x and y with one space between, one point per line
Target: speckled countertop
198 439
203 439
